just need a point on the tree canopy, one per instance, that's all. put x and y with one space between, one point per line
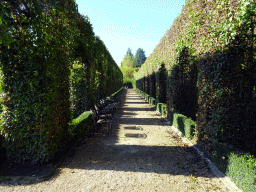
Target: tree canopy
128 65
129 52
140 57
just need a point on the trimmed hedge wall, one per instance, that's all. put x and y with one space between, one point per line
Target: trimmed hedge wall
52 66
161 107
209 53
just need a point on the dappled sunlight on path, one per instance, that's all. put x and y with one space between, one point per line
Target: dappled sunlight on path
142 153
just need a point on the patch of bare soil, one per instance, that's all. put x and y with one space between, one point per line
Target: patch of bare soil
142 153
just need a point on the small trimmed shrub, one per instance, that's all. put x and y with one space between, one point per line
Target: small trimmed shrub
163 109
184 124
239 166
171 117
82 124
190 128
152 101
178 122
147 97
158 107
242 169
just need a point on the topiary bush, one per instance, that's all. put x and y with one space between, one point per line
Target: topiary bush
236 164
81 125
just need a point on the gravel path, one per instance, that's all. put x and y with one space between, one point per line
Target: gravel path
143 153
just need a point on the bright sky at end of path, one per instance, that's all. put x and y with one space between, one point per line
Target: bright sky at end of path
130 23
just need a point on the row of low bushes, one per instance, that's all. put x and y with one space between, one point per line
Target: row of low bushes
83 124
161 107
154 84
186 125
237 165
117 92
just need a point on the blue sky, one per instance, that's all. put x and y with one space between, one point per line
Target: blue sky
130 23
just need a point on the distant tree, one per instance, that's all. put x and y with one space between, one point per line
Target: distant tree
128 65
140 57
129 52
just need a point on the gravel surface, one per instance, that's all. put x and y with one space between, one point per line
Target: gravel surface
142 153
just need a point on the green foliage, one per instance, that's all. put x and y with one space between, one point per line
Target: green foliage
2 149
242 168
186 125
178 122
132 81
155 85
219 37
35 77
183 84
48 53
190 128
128 66
78 89
1 83
146 96
1 98
117 92
161 84
129 52
239 166
163 109
227 82
140 57
152 83
81 125
152 101
89 77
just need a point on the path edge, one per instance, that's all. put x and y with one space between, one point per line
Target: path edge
221 176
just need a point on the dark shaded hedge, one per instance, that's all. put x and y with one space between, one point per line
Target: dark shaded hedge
155 85
152 82
227 102
161 84
182 84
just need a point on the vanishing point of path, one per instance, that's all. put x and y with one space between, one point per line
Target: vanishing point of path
143 153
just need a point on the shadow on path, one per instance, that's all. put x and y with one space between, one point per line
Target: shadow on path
106 152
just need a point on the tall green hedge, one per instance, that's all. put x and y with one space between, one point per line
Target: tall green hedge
227 95
161 84
183 84
209 53
52 65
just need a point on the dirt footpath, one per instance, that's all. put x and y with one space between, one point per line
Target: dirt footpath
143 153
